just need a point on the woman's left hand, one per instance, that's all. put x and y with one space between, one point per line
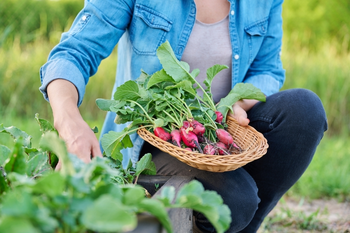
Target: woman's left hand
240 109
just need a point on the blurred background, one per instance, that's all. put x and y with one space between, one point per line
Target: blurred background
316 56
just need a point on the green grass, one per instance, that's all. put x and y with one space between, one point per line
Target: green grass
327 74
328 173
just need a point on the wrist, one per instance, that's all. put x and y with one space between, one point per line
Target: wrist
247 104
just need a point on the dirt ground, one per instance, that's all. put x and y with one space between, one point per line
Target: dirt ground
291 216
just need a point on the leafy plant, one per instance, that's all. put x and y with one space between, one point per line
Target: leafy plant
167 99
94 197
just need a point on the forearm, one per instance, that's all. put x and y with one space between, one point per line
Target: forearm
79 138
63 97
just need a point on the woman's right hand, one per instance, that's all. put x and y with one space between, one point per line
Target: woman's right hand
78 136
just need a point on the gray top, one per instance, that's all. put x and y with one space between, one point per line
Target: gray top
209 44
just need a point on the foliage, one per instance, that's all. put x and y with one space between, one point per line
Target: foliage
97 196
313 23
29 20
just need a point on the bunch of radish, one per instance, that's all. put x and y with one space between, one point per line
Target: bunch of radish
191 136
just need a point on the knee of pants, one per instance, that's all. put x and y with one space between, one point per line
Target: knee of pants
243 213
301 107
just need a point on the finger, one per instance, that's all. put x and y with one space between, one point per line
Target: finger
58 166
96 151
243 121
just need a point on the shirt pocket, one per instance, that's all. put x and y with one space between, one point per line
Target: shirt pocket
148 30
255 33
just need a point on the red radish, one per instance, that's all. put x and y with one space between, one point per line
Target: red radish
219 117
176 137
198 128
189 149
222 148
209 150
226 138
162 134
190 139
186 124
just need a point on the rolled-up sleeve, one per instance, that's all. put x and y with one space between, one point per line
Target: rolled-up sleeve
266 71
92 37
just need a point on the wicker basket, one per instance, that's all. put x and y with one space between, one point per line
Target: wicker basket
253 145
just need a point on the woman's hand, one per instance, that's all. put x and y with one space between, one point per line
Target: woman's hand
79 137
240 109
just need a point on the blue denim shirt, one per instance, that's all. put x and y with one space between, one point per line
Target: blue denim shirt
140 26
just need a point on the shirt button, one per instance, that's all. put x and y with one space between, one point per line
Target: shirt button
236 56
83 18
232 12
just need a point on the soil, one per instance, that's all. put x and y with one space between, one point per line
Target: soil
301 216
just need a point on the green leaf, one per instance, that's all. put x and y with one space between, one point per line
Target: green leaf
37 164
185 85
172 66
195 73
111 189
3 183
248 91
45 126
113 142
16 134
18 203
108 215
159 76
167 195
105 104
133 195
19 180
4 154
51 185
239 91
51 142
158 123
127 91
17 162
95 129
17 225
157 209
146 166
193 196
212 72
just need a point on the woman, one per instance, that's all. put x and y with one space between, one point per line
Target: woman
246 36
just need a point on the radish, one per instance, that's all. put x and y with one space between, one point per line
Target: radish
226 138
219 117
176 137
186 124
198 128
162 134
209 150
190 139
187 148
222 148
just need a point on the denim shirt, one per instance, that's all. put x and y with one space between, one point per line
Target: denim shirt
140 26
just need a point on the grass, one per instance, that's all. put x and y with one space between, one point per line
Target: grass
328 173
287 220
